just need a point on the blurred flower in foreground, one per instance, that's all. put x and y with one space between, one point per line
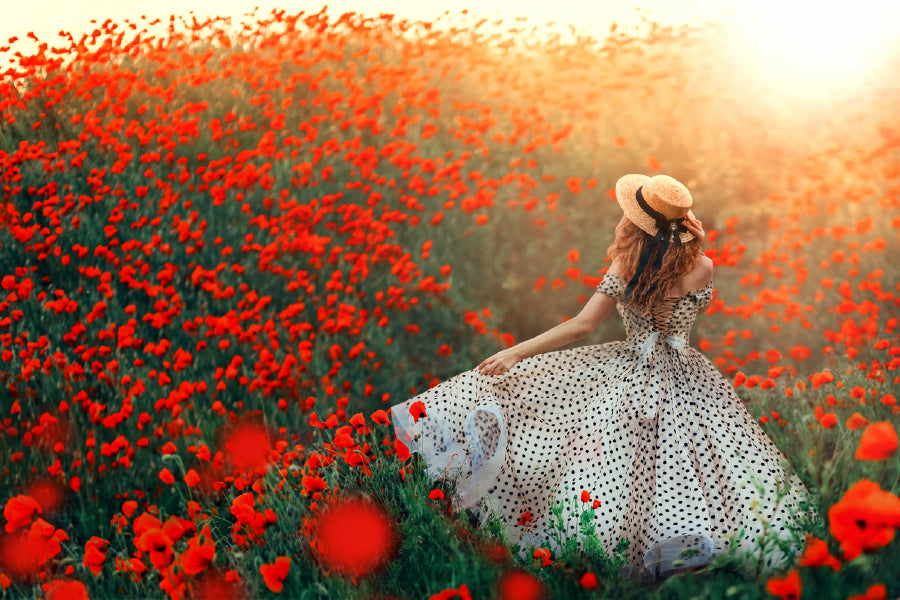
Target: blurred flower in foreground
519 585
879 441
864 519
65 590
247 446
213 585
48 492
354 537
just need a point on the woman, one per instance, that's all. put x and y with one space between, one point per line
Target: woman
647 426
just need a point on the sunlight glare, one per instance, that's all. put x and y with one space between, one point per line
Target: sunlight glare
802 48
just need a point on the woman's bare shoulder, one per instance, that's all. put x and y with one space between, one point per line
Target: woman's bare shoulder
616 267
700 276
706 267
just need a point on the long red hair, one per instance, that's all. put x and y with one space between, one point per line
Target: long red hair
652 286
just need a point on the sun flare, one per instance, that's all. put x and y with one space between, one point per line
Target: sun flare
803 47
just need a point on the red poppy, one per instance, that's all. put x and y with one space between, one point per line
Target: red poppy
200 553
816 555
380 417
864 519
876 591
343 437
145 522
19 511
95 554
544 555
788 587
819 378
242 508
878 442
313 483
856 421
191 478
588 581
274 574
417 410
158 545
401 450
460 593
829 420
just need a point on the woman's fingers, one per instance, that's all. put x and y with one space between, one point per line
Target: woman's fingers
497 364
486 366
695 226
489 367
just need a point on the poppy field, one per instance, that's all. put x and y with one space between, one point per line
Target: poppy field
227 249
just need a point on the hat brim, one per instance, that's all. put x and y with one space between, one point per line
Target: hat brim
626 195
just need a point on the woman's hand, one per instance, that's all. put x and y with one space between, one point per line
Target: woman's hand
695 227
499 363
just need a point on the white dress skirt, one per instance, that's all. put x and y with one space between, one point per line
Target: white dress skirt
648 426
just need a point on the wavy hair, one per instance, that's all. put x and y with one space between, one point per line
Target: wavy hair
652 287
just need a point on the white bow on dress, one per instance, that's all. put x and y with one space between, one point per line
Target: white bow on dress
658 372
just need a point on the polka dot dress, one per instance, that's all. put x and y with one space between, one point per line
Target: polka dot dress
647 426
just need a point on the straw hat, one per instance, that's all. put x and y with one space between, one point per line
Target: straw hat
662 193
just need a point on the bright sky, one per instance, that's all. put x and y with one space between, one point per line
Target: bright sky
805 45
47 17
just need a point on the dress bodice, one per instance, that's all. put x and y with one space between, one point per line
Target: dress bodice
674 317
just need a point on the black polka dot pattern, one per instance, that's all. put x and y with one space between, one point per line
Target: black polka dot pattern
648 426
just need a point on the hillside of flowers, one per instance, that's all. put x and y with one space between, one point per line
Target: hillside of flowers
226 249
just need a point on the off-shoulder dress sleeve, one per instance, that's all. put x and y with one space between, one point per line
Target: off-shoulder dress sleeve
612 286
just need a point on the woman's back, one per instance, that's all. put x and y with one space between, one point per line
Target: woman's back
696 279
676 314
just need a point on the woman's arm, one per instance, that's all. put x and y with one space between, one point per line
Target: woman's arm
592 314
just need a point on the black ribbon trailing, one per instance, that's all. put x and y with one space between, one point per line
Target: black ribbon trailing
666 229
